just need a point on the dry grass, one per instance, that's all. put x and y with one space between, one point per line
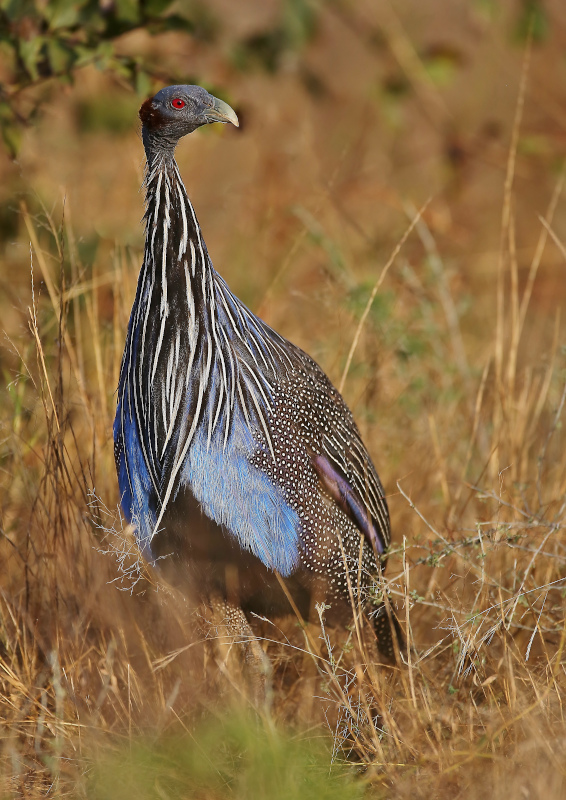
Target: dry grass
105 679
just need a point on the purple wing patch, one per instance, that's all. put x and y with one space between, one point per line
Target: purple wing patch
348 500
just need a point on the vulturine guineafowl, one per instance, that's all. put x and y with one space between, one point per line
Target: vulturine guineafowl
233 449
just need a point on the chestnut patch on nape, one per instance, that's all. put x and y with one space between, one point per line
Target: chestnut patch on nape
150 116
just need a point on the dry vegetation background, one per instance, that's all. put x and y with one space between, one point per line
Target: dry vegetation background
457 381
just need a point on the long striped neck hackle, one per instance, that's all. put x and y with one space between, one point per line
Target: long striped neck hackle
174 250
181 278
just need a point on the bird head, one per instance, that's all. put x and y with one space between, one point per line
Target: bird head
178 110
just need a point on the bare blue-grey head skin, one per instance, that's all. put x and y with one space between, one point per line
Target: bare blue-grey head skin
177 111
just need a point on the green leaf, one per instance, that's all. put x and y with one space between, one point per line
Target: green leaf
103 55
16 10
488 10
11 131
142 83
12 138
533 20
31 53
173 23
298 22
62 13
61 57
442 63
154 8
127 11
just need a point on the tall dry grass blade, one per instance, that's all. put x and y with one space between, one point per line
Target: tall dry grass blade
446 299
94 317
546 222
56 304
470 448
506 210
514 302
441 461
503 260
554 237
556 423
40 354
117 331
409 632
374 292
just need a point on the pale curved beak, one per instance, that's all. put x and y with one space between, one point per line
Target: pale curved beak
221 112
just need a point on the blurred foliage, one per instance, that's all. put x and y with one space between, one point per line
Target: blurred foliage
40 41
296 26
533 21
442 62
235 758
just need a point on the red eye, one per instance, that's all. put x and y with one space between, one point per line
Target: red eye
178 103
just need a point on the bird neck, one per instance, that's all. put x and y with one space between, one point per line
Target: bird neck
176 258
158 146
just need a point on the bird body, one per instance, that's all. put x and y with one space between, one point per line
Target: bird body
230 442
